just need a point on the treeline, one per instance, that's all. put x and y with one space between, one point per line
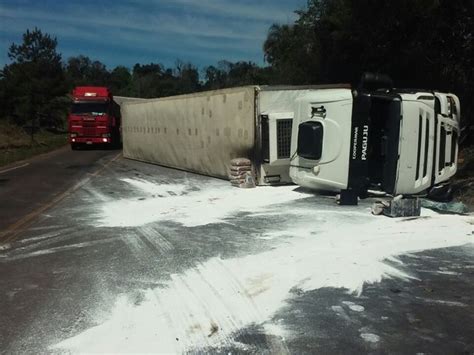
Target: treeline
34 87
155 80
419 43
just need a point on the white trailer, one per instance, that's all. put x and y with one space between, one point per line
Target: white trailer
202 132
397 141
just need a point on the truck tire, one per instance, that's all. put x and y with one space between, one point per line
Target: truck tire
74 146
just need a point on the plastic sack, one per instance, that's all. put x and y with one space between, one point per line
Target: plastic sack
240 162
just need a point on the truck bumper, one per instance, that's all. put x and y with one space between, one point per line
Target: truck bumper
89 140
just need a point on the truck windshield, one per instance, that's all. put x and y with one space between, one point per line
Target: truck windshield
89 107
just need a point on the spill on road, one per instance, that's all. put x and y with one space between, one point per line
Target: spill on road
206 306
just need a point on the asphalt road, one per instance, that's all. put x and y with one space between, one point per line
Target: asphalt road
140 258
29 186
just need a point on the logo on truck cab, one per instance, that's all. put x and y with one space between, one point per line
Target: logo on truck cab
355 142
365 140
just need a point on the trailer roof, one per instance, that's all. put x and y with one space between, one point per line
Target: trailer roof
304 87
239 88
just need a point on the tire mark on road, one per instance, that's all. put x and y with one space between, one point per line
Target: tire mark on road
60 249
46 238
137 246
158 242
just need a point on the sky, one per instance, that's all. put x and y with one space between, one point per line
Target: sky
125 32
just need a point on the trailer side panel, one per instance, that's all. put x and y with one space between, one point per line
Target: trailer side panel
200 132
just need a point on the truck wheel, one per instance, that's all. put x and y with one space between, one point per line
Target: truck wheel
74 146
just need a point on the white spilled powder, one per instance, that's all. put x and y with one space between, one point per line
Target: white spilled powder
443 302
448 273
156 189
354 307
5 246
357 308
369 337
208 305
212 204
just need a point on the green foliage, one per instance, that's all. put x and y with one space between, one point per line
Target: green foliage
290 50
82 71
121 81
150 80
33 82
187 76
36 47
228 74
419 43
16 144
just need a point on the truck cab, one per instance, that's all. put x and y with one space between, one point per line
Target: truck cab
396 141
94 117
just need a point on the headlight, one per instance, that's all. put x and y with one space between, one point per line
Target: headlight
73 135
105 135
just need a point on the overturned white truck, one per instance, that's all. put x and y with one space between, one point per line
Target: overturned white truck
202 132
396 141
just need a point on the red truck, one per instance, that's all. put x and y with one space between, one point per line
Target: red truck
94 117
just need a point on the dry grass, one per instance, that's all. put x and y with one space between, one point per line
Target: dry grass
12 136
16 144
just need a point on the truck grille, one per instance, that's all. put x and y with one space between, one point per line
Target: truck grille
89 132
265 140
442 149
423 143
284 138
447 142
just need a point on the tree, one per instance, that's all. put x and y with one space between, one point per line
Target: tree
228 74
291 51
120 81
36 47
154 80
145 79
420 43
82 71
34 80
99 75
187 76
77 70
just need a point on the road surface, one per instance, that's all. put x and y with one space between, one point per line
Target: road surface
141 258
29 186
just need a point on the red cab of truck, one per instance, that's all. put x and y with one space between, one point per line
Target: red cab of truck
94 117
